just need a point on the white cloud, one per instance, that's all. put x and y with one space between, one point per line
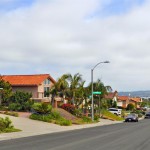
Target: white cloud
58 37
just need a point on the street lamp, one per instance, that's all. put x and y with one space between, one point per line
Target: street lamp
92 85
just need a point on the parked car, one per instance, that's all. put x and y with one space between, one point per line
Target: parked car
131 118
115 111
147 115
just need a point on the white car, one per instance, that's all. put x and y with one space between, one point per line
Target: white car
115 111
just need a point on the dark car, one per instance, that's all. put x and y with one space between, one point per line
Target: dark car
147 115
131 118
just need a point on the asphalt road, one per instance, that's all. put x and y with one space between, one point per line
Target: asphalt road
125 136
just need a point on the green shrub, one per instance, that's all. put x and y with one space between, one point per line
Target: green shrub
5 123
130 107
78 112
52 117
3 108
56 115
96 117
45 118
7 130
86 119
11 113
63 122
6 93
42 108
20 101
14 107
28 105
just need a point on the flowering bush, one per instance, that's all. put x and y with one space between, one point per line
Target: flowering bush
68 107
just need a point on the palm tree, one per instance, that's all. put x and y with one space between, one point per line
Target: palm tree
54 92
80 94
59 87
99 86
74 84
63 85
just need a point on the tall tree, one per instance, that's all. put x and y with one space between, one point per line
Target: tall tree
99 86
80 94
74 84
60 87
6 91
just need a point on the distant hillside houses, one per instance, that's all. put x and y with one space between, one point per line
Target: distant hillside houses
123 101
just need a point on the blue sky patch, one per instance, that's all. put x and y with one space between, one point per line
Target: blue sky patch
116 7
14 4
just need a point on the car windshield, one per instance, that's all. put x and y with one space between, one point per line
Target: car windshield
111 109
131 115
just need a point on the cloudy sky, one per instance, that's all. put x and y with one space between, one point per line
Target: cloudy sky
70 36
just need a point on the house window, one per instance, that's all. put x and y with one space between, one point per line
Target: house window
46 82
46 91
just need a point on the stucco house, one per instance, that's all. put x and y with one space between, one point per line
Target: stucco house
37 84
112 95
123 101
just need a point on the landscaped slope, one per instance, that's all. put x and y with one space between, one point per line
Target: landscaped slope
108 115
67 115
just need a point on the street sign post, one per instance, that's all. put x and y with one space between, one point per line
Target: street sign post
97 93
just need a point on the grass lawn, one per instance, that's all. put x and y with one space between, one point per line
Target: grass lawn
108 115
6 125
8 130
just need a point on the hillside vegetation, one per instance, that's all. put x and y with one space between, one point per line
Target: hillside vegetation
108 115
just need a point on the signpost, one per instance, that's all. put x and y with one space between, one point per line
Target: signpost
97 93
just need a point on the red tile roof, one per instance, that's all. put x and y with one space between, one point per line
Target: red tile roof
27 80
136 99
123 98
111 95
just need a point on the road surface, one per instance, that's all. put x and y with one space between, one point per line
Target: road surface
124 136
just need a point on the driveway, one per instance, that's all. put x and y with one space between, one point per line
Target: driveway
33 127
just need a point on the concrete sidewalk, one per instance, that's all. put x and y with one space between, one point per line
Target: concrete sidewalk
32 127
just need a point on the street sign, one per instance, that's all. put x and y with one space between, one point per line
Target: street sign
97 93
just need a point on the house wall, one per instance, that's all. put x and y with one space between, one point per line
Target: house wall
30 89
120 104
114 99
41 89
37 91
